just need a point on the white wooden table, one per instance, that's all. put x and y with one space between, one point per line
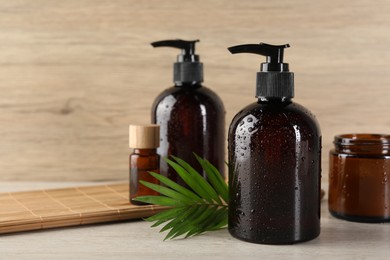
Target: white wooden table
136 240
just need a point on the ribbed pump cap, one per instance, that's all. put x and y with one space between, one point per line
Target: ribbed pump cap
187 68
275 84
274 79
144 136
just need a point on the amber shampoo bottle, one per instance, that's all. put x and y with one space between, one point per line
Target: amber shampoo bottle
144 139
275 160
191 116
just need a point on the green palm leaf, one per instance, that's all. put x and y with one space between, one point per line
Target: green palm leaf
192 211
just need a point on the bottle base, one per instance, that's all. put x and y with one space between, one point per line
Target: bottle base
138 203
273 242
361 219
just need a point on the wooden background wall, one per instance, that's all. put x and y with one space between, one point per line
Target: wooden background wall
75 73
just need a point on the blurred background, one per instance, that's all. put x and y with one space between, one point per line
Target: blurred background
75 73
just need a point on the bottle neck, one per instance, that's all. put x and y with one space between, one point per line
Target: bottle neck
145 151
188 84
271 100
368 144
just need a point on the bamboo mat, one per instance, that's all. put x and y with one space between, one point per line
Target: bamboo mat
43 209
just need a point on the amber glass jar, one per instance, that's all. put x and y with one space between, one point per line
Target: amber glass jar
359 189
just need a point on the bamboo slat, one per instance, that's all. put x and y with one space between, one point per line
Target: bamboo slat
43 209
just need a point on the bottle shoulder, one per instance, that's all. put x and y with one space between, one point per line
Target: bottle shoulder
276 115
188 96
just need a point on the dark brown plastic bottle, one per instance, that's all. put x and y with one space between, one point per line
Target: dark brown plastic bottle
144 159
191 116
275 162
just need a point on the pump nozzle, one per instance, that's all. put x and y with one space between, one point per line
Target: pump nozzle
187 69
187 47
274 54
274 79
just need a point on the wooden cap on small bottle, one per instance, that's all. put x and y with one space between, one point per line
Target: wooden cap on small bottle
144 136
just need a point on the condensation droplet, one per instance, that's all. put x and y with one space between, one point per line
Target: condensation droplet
250 119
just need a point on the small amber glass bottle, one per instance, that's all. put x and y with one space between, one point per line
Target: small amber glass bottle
359 189
144 139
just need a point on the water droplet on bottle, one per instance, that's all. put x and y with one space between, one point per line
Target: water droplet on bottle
302 159
296 188
250 119
252 210
241 123
242 154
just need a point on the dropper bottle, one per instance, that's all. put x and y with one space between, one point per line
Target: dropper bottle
144 139
274 159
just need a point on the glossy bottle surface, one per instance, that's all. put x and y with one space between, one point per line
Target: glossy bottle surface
274 173
192 120
359 189
141 162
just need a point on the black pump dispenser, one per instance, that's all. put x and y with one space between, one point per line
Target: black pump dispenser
187 69
274 79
